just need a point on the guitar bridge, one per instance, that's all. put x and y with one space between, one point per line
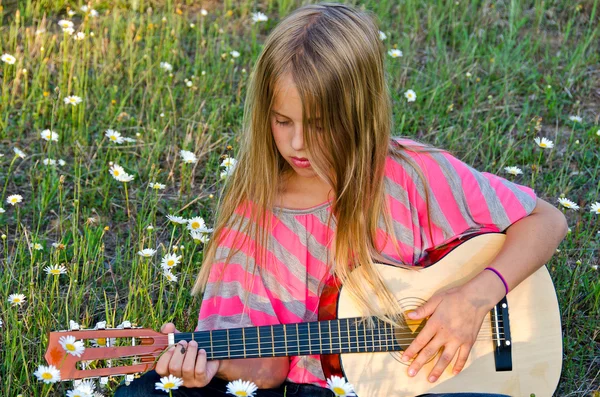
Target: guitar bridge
501 336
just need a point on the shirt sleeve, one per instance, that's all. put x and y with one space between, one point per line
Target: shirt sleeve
223 305
462 199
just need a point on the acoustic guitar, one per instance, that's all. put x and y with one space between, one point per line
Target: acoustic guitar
518 351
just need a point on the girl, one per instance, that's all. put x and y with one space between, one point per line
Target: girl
321 186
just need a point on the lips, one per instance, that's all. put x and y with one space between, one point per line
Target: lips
300 158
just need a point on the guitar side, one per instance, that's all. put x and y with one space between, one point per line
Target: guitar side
536 336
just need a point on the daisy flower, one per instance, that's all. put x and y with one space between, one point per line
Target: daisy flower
224 174
576 118
36 246
229 162
49 161
259 17
63 23
130 140
71 13
69 31
47 374
544 143
147 252
169 261
513 170
241 388
16 299
199 236
61 162
203 12
14 199
595 208
93 13
84 389
125 177
7 58
55 270
340 387
157 186
116 171
565 202
177 219
382 36
19 152
114 136
166 66
168 383
73 100
394 53
71 345
188 157
196 223
49 135
410 95
79 36
169 276
235 54
104 342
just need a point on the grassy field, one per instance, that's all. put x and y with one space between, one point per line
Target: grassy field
489 77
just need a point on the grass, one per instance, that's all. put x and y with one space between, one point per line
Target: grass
489 76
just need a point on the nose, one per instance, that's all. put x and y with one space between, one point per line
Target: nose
298 139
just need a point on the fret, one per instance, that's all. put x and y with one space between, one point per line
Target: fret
387 338
244 341
348 329
192 335
339 323
258 338
373 337
379 335
273 340
298 338
320 338
365 336
228 351
285 337
357 337
212 351
309 344
330 338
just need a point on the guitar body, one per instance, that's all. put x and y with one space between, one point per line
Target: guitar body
535 332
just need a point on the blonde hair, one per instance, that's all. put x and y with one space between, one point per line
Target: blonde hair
336 59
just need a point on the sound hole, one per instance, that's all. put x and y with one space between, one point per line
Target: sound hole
405 336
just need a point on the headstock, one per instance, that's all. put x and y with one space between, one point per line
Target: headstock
108 352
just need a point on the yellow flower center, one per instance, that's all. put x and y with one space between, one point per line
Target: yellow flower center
16 300
70 347
195 225
543 144
101 341
116 173
47 375
56 272
339 391
241 393
13 200
113 138
171 262
169 385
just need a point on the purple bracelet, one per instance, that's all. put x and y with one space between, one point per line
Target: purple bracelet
501 278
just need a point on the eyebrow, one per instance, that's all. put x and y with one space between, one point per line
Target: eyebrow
283 115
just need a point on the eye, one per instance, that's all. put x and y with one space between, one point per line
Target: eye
282 122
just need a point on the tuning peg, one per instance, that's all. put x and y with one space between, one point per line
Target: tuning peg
124 324
103 380
128 379
101 325
73 326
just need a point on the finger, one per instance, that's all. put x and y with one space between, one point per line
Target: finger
162 365
426 309
430 350
168 328
200 370
177 360
463 355
443 360
424 336
189 363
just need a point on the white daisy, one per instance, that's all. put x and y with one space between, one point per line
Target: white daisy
229 162
544 143
84 8
73 100
188 157
595 208
203 12
168 383
14 199
61 162
576 118
196 223
166 66
340 387
16 299
382 36
79 36
63 23
104 342
49 135
128 139
169 276
71 345
200 236
125 177
47 374
189 83
147 252
79 393
19 152
169 261
71 13
241 388
116 171
513 170
55 270
69 31
93 13
410 95
8 59
235 54
49 161
157 186
395 53
36 246
259 17
224 174
114 136
177 219
565 202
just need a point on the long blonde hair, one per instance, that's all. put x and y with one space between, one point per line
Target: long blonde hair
336 59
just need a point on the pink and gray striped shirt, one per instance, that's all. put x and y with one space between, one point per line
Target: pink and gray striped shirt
287 289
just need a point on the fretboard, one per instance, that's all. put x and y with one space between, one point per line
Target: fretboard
344 335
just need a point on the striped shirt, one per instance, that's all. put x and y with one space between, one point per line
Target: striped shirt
288 287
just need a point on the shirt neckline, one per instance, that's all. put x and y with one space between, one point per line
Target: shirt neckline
304 210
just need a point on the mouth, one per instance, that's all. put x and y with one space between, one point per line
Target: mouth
300 158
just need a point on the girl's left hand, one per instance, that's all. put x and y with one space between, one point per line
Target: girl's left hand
455 319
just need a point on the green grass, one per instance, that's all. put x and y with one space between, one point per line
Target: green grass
532 64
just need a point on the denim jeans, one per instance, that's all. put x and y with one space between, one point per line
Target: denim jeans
144 387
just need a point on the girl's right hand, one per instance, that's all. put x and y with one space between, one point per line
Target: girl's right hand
186 362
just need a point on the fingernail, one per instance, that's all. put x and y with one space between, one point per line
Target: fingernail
432 379
411 372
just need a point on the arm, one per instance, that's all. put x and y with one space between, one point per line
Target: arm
264 372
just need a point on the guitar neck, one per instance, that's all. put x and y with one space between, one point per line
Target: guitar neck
346 335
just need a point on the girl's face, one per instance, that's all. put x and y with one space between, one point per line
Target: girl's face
286 124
